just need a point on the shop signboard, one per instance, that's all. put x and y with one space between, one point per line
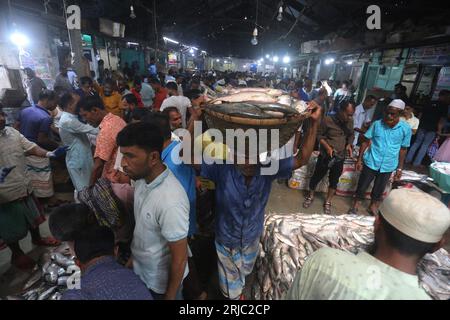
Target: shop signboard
173 59
39 65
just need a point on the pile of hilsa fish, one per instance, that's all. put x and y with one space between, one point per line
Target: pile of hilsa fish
50 276
288 240
257 103
434 272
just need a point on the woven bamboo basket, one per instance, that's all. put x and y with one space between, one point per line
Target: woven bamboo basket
287 126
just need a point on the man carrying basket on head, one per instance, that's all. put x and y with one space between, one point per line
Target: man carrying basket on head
242 193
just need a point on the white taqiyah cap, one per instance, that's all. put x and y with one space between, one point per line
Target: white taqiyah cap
397 103
416 214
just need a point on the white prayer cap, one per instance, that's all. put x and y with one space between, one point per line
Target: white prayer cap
416 214
397 103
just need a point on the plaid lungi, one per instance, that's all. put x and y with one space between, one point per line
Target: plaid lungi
234 266
40 173
17 217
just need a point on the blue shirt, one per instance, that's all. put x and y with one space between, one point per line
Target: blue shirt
384 152
240 209
34 120
186 176
152 70
303 95
108 280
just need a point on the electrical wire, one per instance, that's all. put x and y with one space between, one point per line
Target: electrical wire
156 28
294 25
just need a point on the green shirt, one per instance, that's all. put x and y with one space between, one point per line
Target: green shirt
331 274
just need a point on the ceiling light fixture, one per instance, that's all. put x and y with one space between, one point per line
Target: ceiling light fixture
132 14
280 14
254 40
19 39
255 37
170 40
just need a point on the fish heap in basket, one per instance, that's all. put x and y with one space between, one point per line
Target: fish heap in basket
257 108
50 276
288 240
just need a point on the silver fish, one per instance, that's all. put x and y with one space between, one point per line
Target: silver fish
294 255
285 240
46 266
271 92
358 238
267 283
56 296
62 281
44 259
61 260
35 277
47 293
246 96
51 277
63 249
33 296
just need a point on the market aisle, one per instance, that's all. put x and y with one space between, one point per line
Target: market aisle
283 200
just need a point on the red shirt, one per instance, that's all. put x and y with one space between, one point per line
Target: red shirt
138 97
160 96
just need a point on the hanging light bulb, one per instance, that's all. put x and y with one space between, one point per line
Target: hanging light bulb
132 14
280 14
255 37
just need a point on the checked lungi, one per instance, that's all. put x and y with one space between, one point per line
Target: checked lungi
234 266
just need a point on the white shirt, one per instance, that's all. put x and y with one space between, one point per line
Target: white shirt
170 79
413 122
360 117
181 103
161 211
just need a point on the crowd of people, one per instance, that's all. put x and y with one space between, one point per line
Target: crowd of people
138 208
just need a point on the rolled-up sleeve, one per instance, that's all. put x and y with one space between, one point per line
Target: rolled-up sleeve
406 143
26 144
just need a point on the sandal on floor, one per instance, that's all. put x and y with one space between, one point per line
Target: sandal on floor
47 242
308 202
327 208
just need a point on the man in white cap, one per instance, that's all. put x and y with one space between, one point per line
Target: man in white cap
383 153
410 224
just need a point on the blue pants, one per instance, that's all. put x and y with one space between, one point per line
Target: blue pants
423 141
